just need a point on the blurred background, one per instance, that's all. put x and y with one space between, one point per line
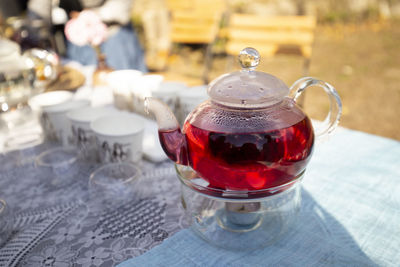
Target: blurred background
353 45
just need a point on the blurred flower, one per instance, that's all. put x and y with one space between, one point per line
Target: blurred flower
85 29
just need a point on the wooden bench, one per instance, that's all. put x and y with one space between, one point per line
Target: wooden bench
271 35
196 22
194 27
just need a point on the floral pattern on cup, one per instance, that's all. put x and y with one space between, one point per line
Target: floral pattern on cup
119 137
48 128
79 137
54 120
115 152
85 140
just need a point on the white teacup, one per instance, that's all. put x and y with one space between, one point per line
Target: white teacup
121 82
189 99
55 123
119 137
168 93
82 135
38 102
143 88
46 100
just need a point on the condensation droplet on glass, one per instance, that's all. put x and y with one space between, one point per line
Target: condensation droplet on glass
261 90
243 102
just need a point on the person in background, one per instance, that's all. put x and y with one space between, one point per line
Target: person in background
121 48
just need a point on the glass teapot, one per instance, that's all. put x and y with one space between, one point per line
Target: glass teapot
250 135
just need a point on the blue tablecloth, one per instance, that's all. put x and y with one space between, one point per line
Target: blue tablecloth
350 214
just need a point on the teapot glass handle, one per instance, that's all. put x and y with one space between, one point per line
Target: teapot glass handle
335 109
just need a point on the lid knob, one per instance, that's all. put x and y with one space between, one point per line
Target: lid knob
249 58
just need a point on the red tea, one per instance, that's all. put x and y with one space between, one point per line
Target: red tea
244 161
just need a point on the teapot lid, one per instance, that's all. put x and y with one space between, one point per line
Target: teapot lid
247 88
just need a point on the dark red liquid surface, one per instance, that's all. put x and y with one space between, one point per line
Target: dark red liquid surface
245 161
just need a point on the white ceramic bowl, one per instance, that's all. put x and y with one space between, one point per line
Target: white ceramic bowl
38 102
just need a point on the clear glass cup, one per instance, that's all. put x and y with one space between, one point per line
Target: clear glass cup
6 222
59 164
20 150
238 220
113 185
23 141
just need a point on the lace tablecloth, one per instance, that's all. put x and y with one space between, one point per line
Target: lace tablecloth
349 216
54 225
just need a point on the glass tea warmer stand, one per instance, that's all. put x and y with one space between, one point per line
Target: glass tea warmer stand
242 154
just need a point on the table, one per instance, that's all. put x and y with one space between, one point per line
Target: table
55 226
350 215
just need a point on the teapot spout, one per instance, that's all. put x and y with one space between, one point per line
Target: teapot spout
172 140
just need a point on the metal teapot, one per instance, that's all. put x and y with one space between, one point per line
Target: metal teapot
23 75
